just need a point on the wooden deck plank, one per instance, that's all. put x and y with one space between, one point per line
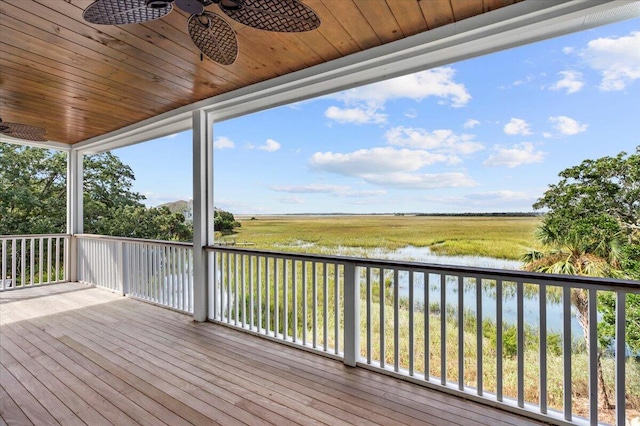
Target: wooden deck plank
133 362
164 358
311 377
127 401
85 412
9 410
354 386
265 391
84 391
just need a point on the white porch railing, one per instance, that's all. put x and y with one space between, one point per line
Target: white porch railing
155 271
28 260
503 337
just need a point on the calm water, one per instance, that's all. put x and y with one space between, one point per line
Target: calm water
489 305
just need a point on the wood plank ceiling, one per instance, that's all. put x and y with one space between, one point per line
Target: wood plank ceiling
79 80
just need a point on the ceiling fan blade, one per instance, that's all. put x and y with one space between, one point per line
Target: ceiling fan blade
120 12
214 37
23 131
287 16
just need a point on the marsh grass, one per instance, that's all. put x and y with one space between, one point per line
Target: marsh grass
498 237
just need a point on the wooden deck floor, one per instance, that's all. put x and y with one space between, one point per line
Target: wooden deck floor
72 354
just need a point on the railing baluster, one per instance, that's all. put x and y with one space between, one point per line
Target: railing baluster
592 347
520 331
260 262
32 260
542 354
621 321
461 333
236 272
479 349
251 292
294 297
40 260
49 260
267 294
325 308
443 329
499 327
4 265
427 334
369 324
57 259
336 308
285 300
566 350
14 281
304 302
396 321
381 273
315 304
23 261
276 299
411 338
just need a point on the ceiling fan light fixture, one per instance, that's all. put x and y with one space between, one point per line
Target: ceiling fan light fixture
158 4
230 4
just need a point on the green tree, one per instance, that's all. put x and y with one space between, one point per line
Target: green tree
592 228
224 221
33 197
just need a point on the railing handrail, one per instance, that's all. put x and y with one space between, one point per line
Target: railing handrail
134 240
487 273
21 236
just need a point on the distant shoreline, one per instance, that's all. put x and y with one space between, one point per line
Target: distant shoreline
493 214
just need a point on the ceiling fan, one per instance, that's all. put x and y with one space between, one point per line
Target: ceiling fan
210 33
23 131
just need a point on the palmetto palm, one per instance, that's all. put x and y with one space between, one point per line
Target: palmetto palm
577 254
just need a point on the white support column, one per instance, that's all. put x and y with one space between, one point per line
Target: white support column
75 214
202 210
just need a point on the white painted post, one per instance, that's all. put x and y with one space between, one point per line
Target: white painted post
351 314
124 271
202 210
74 212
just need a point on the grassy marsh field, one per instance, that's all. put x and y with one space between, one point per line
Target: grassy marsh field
497 237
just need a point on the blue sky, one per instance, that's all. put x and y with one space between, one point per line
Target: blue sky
483 135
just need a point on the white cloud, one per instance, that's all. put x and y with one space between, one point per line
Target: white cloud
617 59
567 126
517 126
389 167
546 135
440 141
571 81
355 115
471 123
362 105
412 113
499 200
517 155
567 50
500 195
223 142
374 160
437 82
340 190
270 146
291 200
403 180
